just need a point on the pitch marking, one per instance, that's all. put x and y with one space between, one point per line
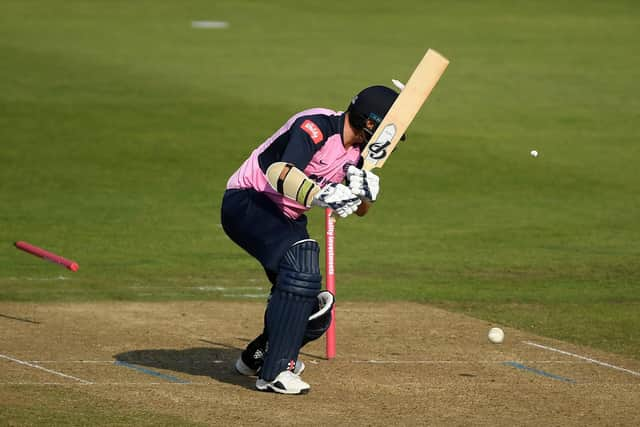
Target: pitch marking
151 372
538 372
104 362
51 371
452 362
588 359
245 295
210 24
145 384
20 319
222 288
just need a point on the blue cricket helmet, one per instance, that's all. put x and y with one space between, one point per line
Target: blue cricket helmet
368 108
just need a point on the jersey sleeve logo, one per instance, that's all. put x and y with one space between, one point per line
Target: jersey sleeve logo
313 130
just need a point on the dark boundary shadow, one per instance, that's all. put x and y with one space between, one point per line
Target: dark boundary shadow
214 362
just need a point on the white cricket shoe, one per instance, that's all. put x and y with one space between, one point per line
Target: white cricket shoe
246 370
285 383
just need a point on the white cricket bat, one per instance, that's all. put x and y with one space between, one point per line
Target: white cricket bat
404 109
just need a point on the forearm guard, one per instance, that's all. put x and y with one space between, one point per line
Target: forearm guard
291 182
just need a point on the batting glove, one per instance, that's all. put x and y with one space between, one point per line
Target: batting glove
363 183
338 198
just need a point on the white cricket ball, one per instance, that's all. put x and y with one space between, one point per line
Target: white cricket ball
534 153
496 335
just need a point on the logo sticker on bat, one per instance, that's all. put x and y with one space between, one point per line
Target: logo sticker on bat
378 149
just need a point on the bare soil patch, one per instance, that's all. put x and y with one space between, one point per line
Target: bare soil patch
397 364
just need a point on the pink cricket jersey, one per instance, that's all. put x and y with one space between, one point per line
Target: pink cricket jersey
326 165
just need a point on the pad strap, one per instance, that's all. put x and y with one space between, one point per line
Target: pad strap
319 321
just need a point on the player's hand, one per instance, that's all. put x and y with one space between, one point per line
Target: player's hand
363 183
338 198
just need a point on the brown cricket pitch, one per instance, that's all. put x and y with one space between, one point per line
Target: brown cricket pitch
396 364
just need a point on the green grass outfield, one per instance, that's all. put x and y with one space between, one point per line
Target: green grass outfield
120 124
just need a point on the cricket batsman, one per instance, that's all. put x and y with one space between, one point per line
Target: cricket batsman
314 159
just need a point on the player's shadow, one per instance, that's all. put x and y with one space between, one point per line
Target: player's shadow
216 362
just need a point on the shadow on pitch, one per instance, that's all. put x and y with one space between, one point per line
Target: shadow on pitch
215 362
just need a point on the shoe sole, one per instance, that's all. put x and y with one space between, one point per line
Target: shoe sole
269 388
243 369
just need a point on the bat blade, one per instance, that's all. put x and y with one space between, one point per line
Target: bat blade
404 109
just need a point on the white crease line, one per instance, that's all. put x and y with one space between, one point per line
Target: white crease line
209 384
72 361
222 288
245 295
106 362
99 384
453 362
588 359
380 362
33 365
209 24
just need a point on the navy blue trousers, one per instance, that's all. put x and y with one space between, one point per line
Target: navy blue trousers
258 226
